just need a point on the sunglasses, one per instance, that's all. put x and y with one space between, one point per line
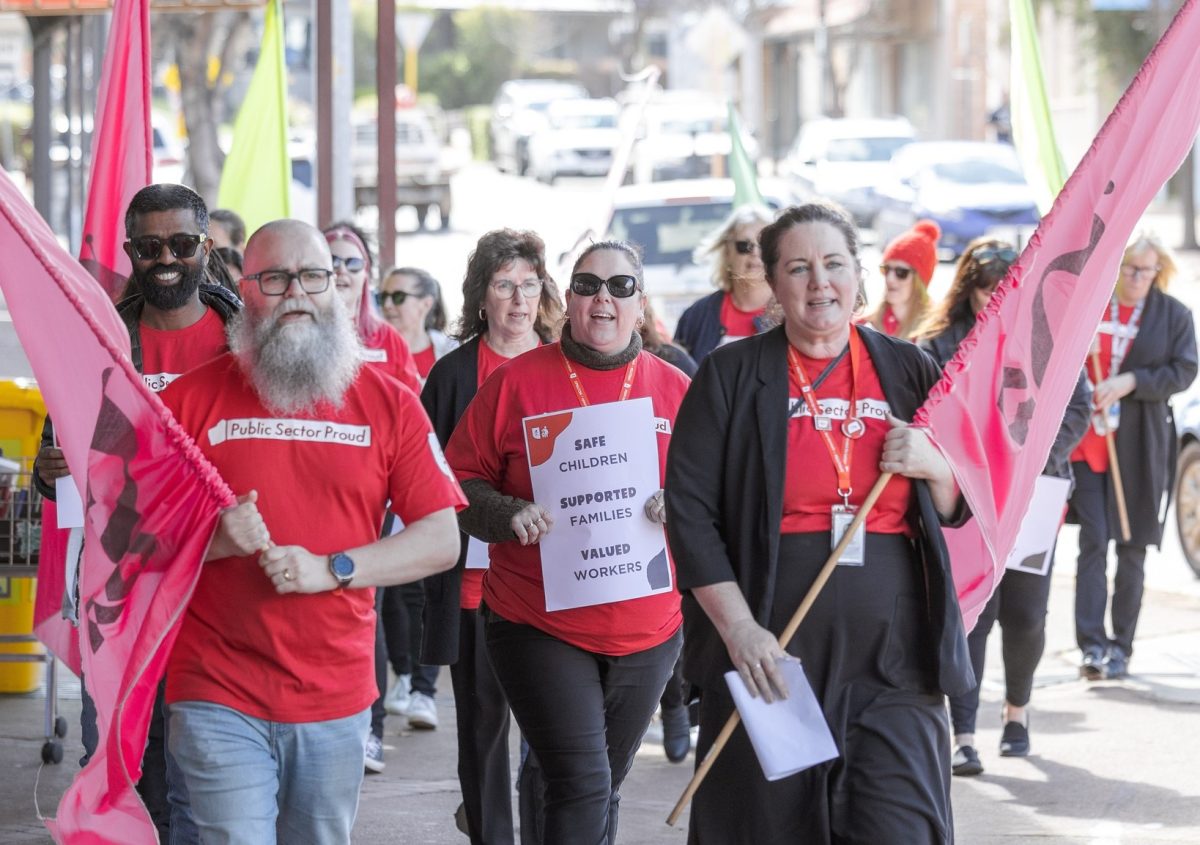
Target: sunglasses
352 265
396 297
620 286
989 254
181 244
901 273
745 247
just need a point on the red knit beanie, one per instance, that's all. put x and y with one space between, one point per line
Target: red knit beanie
917 247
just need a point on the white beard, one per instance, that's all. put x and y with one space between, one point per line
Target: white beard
297 366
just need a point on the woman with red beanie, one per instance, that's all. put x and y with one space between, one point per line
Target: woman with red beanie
907 268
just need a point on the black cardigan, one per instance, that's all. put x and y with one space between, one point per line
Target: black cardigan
451 386
725 485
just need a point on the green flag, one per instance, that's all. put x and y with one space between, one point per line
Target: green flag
1033 132
257 173
741 168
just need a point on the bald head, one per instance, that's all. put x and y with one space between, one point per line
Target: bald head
285 241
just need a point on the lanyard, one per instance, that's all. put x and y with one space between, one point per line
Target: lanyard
852 426
1121 342
579 391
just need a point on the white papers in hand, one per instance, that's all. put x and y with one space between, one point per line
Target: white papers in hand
70 505
1039 529
788 736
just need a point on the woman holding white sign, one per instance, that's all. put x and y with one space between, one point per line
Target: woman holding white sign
779 441
562 454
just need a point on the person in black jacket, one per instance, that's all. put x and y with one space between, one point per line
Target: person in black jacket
1144 354
1021 599
759 470
510 305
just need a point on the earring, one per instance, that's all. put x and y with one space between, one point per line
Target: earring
482 316
641 321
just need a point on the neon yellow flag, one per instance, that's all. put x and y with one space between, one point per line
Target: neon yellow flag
1033 131
741 168
257 173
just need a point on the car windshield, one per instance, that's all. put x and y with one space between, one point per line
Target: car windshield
585 121
977 171
864 149
668 234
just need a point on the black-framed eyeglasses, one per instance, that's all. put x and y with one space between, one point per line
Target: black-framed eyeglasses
745 247
181 244
396 297
901 273
507 288
277 282
352 265
989 254
621 286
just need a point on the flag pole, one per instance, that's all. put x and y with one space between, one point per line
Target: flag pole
1113 464
784 638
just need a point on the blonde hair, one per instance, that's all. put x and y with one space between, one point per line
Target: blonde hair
918 304
1168 269
712 247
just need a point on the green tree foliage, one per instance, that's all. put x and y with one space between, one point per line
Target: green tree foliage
487 49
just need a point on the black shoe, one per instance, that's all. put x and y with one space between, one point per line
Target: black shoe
1116 665
965 762
1092 667
677 733
1014 741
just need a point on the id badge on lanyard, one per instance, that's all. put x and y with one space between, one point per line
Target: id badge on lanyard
855 554
1122 337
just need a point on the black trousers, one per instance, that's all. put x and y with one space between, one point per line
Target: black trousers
583 715
403 628
1090 504
378 714
1019 604
483 720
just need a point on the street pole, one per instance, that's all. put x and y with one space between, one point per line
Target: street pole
385 86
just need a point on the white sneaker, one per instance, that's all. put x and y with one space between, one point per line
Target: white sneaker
397 698
422 712
373 755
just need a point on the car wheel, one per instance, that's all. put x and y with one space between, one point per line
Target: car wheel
422 213
445 215
1187 504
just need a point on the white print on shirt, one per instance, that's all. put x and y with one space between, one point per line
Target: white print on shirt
1123 330
158 381
868 409
375 356
436 449
662 425
271 428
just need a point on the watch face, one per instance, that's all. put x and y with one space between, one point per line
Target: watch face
342 566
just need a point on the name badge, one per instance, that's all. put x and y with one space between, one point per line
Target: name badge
855 553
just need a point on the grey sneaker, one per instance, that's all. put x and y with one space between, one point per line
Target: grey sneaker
373 755
396 700
422 712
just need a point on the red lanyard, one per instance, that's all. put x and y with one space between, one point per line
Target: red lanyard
579 391
852 427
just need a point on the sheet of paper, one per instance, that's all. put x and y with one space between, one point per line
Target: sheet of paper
788 736
477 554
1039 528
70 505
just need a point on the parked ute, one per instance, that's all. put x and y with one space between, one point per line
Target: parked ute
423 170
519 112
579 140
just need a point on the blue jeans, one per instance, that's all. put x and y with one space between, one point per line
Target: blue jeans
254 782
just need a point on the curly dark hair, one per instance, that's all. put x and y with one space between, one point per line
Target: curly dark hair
166 196
494 251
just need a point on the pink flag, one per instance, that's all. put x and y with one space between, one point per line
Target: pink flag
122 144
1001 400
151 499
49 624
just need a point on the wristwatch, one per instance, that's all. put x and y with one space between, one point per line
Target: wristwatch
342 567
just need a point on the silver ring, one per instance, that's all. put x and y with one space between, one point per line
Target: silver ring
287 575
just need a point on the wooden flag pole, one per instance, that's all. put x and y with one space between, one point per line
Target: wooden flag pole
784 638
1114 465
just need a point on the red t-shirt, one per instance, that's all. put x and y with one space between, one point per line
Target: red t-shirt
736 322
424 360
168 354
488 443
388 350
323 483
810 488
1093 448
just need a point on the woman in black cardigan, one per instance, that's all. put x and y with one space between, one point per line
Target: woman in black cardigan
750 494
510 305
1145 353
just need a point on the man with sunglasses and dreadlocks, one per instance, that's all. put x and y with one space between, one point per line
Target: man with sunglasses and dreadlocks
582 666
1020 601
176 321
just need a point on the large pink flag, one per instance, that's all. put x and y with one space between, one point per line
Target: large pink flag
151 499
1001 400
122 157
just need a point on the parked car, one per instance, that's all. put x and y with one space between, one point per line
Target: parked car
682 134
669 220
423 167
579 140
1187 480
969 188
843 159
519 112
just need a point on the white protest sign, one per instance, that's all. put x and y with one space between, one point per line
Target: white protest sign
594 468
1039 529
477 554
